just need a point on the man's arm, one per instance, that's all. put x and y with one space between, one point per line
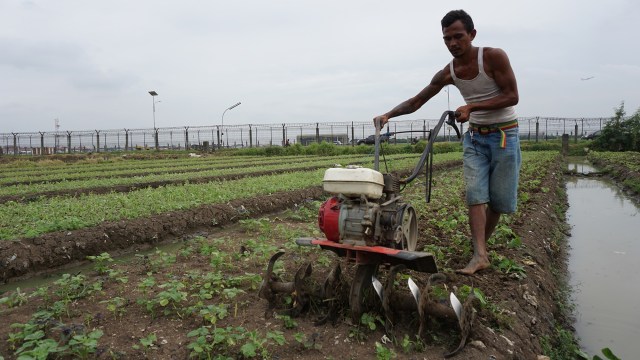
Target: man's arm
499 68
439 80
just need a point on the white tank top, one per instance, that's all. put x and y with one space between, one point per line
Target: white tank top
481 88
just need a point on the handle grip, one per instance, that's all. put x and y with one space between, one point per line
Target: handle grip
451 121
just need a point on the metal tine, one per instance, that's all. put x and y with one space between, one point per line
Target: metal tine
378 286
457 306
415 290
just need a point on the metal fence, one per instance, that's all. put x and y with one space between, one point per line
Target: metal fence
253 135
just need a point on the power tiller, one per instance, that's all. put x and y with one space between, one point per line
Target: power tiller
368 223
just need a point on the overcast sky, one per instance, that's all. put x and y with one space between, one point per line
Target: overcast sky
90 64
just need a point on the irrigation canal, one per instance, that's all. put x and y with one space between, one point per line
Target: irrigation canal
603 264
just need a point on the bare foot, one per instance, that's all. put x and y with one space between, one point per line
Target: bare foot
476 264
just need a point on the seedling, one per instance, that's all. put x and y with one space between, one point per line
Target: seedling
288 322
15 298
101 262
84 344
384 353
116 305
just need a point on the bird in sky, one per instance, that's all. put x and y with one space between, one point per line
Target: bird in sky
587 78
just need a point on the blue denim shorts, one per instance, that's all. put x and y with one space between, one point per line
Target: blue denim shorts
491 172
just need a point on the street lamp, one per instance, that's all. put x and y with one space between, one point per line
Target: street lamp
227 109
153 98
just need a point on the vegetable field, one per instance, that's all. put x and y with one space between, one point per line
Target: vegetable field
228 216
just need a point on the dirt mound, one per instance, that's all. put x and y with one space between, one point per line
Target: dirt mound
60 248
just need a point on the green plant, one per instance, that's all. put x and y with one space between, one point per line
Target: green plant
147 284
608 354
503 234
213 313
620 134
507 266
101 262
171 296
116 305
305 342
218 341
384 353
288 322
231 293
15 298
369 320
561 345
43 293
147 343
39 349
466 290
117 276
84 344
257 345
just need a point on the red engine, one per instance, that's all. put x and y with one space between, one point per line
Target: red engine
329 219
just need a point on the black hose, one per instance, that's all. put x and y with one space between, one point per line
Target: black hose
427 150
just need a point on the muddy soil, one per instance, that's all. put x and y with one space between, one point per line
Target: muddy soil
527 307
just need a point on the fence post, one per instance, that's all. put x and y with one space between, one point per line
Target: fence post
69 142
15 143
575 138
546 129
218 135
424 129
186 138
284 135
126 139
155 135
97 140
250 136
317 133
353 137
537 128
41 142
395 129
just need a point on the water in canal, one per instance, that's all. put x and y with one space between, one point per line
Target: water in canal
603 265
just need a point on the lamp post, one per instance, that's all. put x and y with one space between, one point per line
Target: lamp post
155 130
225 110
153 98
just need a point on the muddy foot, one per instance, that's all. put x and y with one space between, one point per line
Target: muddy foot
476 264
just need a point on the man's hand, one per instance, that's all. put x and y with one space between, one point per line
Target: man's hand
463 113
383 119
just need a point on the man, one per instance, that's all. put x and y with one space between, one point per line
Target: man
491 146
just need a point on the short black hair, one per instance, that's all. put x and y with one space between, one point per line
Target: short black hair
455 15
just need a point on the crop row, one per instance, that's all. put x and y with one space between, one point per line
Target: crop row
238 169
623 166
19 220
628 159
133 167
